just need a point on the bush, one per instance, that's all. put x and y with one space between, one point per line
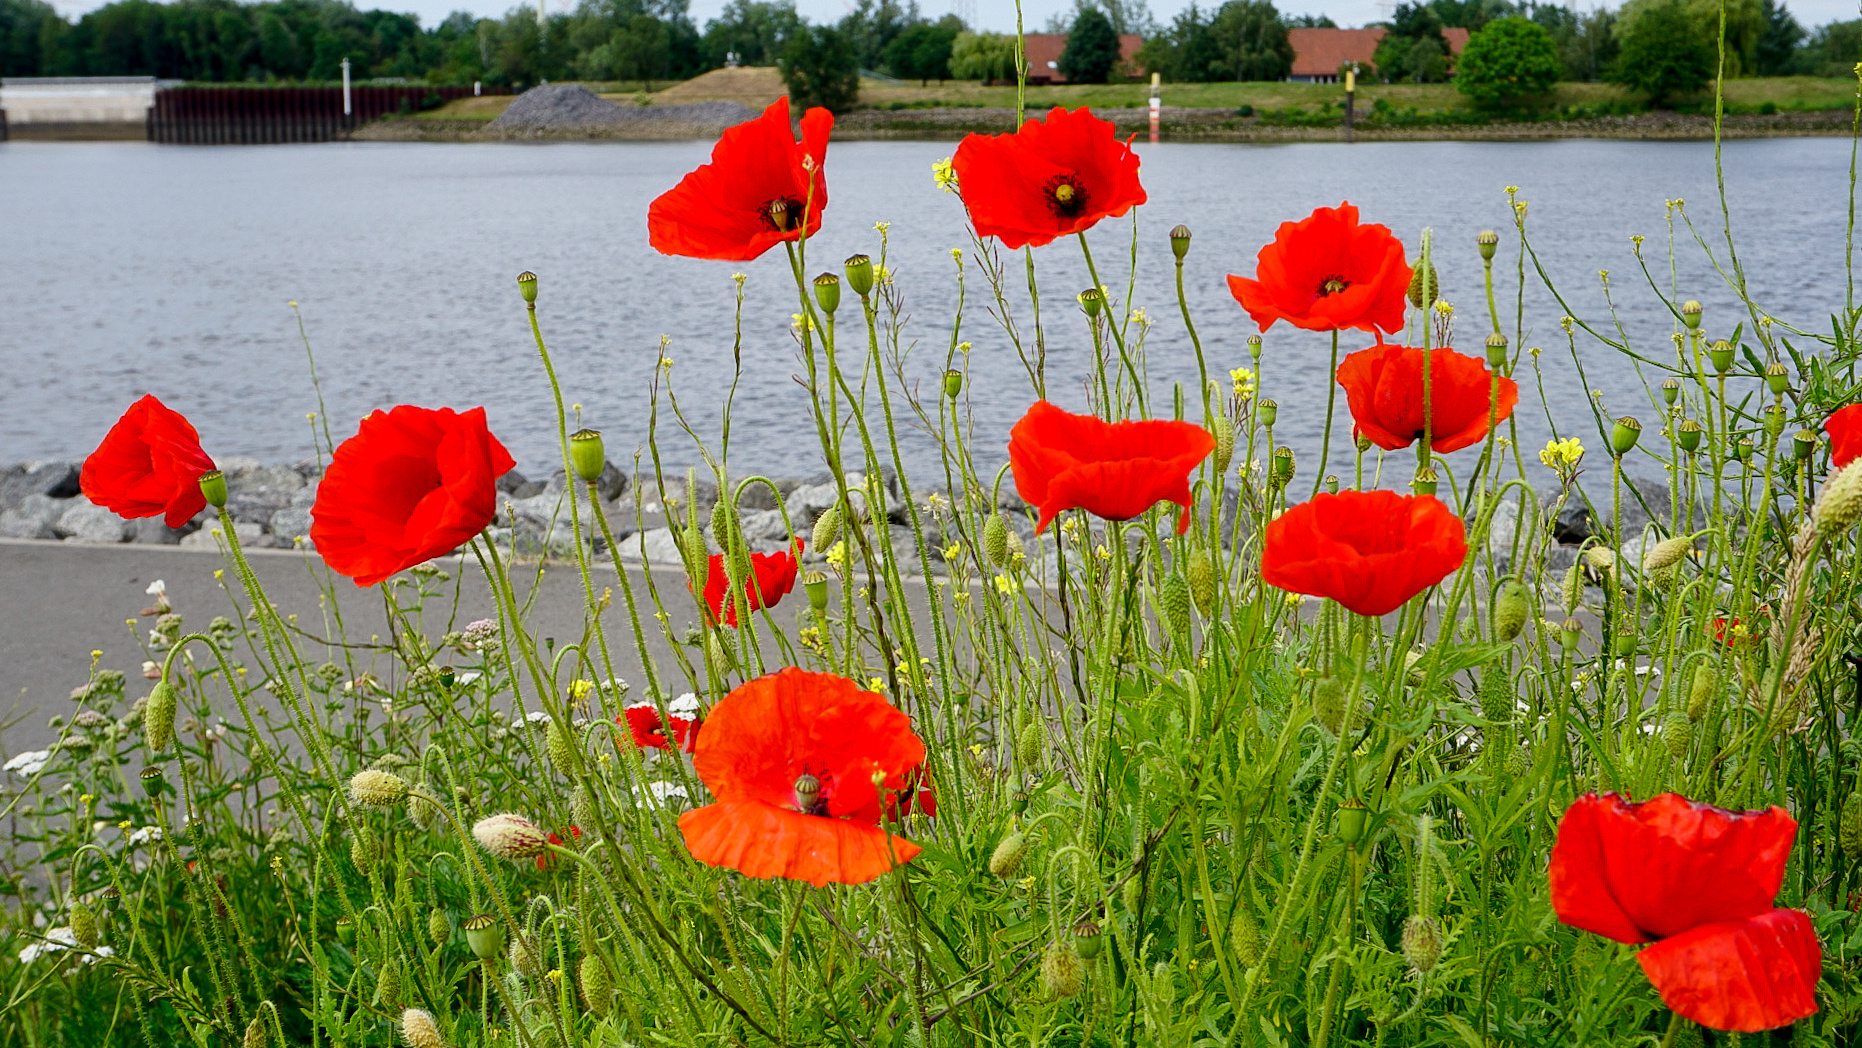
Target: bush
1092 49
821 69
1665 54
987 57
922 52
1509 61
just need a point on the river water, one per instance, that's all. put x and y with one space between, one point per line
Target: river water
129 268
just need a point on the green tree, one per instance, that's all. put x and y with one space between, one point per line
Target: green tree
1252 41
1665 53
1586 41
756 31
821 68
1507 63
1777 50
1832 49
923 52
873 25
1414 48
22 24
1092 48
987 57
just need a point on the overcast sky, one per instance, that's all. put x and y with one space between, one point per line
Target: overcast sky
992 14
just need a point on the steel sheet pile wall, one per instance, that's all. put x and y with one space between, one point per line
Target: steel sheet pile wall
269 115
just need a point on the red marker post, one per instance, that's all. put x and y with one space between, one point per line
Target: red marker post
1156 104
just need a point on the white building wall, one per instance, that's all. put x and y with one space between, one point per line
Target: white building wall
77 100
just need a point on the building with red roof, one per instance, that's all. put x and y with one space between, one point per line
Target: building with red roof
1320 54
1044 51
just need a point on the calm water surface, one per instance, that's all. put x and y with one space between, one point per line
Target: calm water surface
127 269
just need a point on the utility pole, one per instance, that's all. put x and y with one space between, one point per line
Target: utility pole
347 108
1351 92
1156 104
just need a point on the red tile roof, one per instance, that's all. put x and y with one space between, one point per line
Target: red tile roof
1320 52
1045 48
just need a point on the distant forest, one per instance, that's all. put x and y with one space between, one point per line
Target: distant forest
648 40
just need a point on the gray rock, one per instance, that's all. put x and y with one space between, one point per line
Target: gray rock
57 480
517 486
760 497
656 545
42 508
257 505
611 484
87 522
764 530
251 535
153 531
17 525
291 522
245 474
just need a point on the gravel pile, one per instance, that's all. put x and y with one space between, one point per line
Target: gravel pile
573 111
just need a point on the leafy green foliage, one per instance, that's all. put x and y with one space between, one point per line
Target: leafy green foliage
988 57
1092 48
923 52
1665 53
1241 40
1414 50
821 68
1507 62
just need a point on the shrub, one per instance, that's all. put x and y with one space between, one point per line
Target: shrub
982 56
1092 49
1665 54
820 68
1509 61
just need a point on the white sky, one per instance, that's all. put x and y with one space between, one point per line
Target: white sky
993 14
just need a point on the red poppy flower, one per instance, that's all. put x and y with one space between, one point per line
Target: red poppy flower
791 759
149 464
1327 273
548 859
411 485
1114 470
649 732
1371 551
1383 385
1702 880
751 196
1845 429
772 577
1055 177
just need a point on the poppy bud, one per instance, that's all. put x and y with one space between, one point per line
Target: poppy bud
158 717
1511 611
1497 696
586 453
362 851
724 529
1062 974
827 528
256 1037
1488 241
83 925
1624 434
1690 314
439 929
1570 632
213 488
807 794
1421 293
1804 444
996 539
1016 553
1244 937
485 936
1496 351
1602 559
1180 241
815 584
1671 391
1029 743
559 742
509 836
1849 825
1721 354
152 782
1006 860
419 1030
1774 420
1352 815
597 985
1677 735
1092 300
388 986
1688 435
1841 501
1777 377
1224 434
1267 411
1519 762
1173 598
346 930
1425 481
1700 691
1742 450
1331 483
1668 553
859 269
953 383
1283 464
527 286
1201 570
1087 940
1254 347
377 788
1328 703
827 293
1422 943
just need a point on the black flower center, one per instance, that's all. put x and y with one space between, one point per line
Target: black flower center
1066 195
782 213
1332 285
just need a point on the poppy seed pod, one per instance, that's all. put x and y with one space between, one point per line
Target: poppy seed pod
1087 939
1352 816
419 1031
1721 354
527 286
1254 348
1006 861
1688 435
1180 241
510 836
827 293
1092 300
152 781
1742 449
158 717
1267 411
376 788
859 270
1570 632
815 584
1496 351
346 930
587 454
1331 483
1671 391
1062 974
1488 241
1690 314
213 488
1803 444
1774 420
1283 464
1624 434
1777 378
484 935
1425 481
953 383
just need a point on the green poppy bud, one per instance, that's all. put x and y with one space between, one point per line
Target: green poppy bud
1006 861
484 935
1092 300
439 928
1422 943
1700 691
1180 241
158 717
1425 288
1624 434
1668 553
1687 434
1361 442
1488 241
1062 974
953 383
1497 698
1328 703
1087 940
1224 434
1671 391
1267 411
827 528
1244 937
597 985
560 743
1721 354
1510 611
1352 816
256 1035
587 454
1777 378
527 286
1690 314
1677 735
1031 743
1496 351
827 293
213 487
1201 570
859 269
996 539
1173 599
83 922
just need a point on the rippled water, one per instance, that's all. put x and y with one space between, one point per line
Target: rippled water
127 268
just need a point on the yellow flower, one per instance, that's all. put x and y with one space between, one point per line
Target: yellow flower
1294 600
1562 456
665 363
1443 307
944 173
578 690
876 684
882 227
1004 585
837 557
1244 382
953 551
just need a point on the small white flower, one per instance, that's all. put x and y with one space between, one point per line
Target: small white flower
143 835
29 763
467 677
158 588
537 717
684 706
57 940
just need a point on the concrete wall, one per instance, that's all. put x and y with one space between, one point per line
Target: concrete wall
77 107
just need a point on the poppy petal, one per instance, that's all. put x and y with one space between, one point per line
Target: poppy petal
762 840
1327 272
1747 975
148 465
1845 429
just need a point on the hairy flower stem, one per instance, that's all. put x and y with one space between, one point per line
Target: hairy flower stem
1331 406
